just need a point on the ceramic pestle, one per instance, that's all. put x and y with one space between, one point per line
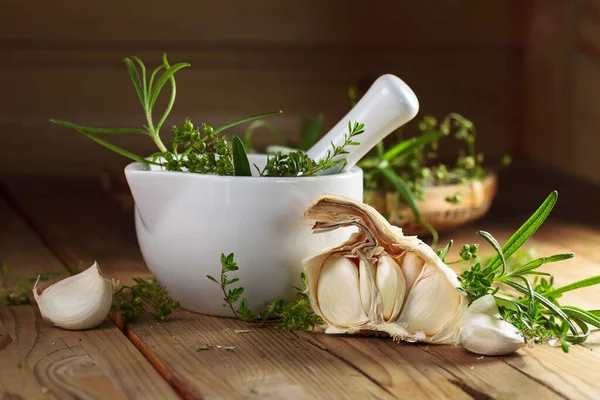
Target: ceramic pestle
388 104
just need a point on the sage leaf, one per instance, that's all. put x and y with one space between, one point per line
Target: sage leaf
241 165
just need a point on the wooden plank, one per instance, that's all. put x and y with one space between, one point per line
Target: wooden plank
428 372
17 380
421 371
99 363
266 361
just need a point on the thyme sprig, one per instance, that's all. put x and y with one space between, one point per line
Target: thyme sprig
288 315
297 163
132 301
535 309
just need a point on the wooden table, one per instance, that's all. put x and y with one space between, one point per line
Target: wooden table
49 225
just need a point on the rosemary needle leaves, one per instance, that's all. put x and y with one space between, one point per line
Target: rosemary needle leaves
535 311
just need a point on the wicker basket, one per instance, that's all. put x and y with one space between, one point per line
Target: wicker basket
477 198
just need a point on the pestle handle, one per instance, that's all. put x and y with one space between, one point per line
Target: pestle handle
388 104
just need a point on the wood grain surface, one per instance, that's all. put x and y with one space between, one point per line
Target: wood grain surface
267 363
95 364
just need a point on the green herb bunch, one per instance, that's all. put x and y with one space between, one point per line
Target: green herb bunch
296 315
297 163
201 149
16 288
531 305
132 301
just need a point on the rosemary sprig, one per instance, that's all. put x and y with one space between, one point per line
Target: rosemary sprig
133 300
296 315
203 153
536 311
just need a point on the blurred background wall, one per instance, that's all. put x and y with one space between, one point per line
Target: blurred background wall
526 72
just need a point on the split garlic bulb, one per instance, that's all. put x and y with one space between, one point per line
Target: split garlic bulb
379 279
484 332
78 302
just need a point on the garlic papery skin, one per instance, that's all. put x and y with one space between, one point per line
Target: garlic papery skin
485 332
78 302
398 284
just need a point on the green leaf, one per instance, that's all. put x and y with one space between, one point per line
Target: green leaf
241 165
247 139
534 264
213 279
407 145
526 230
87 129
161 81
585 316
510 304
494 243
405 192
594 280
403 189
151 83
118 149
241 121
444 252
143 68
310 131
547 303
171 98
135 78
380 148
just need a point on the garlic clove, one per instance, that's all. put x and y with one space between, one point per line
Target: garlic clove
431 304
338 293
368 292
78 302
391 286
411 266
484 332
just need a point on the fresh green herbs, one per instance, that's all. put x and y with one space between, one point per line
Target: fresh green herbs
297 163
133 300
418 167
16 288
288 315
201 149
532 307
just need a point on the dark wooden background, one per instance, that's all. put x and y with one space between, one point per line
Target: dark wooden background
526 72
62 59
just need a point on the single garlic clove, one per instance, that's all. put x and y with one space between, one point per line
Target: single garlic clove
391 286
411 267
484 332
78 302
339 294
431 303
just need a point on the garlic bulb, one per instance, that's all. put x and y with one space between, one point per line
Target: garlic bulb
379 279
484 332
78 302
